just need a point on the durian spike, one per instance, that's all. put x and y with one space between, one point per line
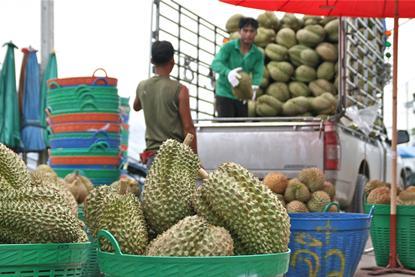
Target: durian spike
188 140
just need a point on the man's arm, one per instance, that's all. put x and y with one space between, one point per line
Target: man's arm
137 102
219 64
258 72
186 117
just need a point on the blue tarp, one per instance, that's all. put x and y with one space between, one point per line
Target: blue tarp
406 151
32 130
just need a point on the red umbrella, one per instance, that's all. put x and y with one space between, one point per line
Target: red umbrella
357 8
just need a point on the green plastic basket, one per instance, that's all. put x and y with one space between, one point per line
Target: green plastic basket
51 259
82 89
100 148
379 231
118 264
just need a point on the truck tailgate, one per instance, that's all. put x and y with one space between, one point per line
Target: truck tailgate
262 146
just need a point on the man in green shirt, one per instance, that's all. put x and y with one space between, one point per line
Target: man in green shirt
235 56
165 103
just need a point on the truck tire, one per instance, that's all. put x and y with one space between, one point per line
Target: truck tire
357 202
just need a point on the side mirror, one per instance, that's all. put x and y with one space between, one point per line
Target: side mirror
403 136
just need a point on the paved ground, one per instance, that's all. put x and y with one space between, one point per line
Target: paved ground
368 260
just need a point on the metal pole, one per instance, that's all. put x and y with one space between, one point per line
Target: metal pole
46 47
47 32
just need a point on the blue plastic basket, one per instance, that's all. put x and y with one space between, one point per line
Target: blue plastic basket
82 143
327 244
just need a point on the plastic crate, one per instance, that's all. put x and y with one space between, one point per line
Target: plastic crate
118 264
85 117
91 173
85 127
327 244
380 231
51 259
91 80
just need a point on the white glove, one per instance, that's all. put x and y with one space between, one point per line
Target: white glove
233 76
254 91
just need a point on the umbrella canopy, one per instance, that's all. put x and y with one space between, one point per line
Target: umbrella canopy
51 72
9 109
353 8
32 130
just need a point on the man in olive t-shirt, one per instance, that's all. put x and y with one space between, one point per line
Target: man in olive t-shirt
165 103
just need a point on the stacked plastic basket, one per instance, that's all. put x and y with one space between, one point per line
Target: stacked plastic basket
85 127
125 116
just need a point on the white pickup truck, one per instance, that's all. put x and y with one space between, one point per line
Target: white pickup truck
348 156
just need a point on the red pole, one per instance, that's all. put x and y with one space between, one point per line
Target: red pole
392 255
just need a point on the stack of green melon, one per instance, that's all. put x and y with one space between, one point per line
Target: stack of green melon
301 54
230 213
309 192
35 207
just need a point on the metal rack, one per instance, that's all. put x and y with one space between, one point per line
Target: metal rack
196 42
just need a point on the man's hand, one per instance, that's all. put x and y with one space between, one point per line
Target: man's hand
254 91
233 76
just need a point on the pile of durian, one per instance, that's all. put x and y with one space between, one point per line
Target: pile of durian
230 212
35 207
378 192
301 65
309 192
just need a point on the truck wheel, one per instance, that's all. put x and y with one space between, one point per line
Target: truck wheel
357 202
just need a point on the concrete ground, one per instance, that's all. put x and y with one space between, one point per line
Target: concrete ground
368 260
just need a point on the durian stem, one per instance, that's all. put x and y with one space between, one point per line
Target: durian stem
203 173
123 186
188 139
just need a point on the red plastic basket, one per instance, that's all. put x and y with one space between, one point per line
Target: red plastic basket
85 117
85 160
76 81
85 127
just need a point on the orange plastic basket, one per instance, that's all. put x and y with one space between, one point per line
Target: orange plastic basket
76 81
85 117
85 127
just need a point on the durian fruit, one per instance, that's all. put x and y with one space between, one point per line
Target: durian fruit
319 199
38 215
192 236
122 215
372 184
410 189
93 205
132 185
169 186
329 188
243 90
380 195
233 198
407 197
296 207
232 24
30 211
78 185
281 198
44 168
296 191
42 178
12 168
276 181
313 178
